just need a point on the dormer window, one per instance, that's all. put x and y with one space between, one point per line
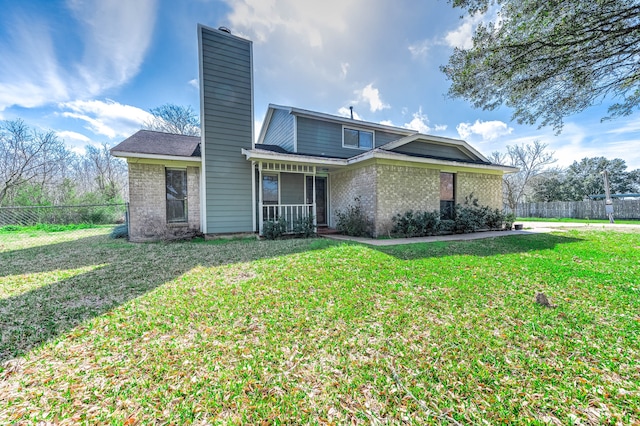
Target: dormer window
356 138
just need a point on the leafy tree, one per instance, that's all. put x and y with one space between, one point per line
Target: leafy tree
531 159
550 186
177 119
549 59
584 178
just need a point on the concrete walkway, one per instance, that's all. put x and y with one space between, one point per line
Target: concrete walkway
530 228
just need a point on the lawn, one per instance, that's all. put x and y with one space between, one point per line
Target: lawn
96 330
573 220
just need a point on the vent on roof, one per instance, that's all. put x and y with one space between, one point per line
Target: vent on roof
224 30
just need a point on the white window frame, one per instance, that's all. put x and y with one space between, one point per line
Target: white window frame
359 129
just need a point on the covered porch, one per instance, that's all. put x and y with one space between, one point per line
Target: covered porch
293 192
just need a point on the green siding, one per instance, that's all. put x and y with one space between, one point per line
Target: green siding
433 149
227 117
280 130
383 138
317 137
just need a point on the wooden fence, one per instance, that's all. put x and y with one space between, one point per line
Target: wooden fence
591 209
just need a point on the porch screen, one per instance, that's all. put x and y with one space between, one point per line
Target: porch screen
269 189
176 183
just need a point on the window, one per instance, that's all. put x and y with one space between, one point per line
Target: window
447 196
354 138
176 182
269 189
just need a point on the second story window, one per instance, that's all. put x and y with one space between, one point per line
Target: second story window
354 138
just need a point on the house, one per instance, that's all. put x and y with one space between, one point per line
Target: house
303 164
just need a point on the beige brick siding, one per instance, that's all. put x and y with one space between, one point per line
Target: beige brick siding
485 187
346 185
147 203
404 188
386 190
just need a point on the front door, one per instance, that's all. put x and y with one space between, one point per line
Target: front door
321 198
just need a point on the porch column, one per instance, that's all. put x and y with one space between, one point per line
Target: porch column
314 209
260 212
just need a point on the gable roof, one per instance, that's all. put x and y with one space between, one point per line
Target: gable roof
438 140
300 112
152 144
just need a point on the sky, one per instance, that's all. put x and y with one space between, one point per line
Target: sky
90 70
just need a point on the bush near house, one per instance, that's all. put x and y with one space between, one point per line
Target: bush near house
354 221
470 216
276 229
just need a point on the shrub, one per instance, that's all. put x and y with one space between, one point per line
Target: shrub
304 227
353 221
447 226
508 221
494 219
274 229
416 224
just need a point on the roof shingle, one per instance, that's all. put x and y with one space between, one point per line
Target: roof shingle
159 143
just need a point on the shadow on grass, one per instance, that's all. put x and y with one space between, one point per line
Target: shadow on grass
117 272
101 274
483 247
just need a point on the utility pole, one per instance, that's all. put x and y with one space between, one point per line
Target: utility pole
608 202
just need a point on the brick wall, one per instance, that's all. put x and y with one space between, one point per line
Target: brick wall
386 190
404 188
147 203
346 185
485 187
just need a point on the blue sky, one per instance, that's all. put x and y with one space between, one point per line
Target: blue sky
91 69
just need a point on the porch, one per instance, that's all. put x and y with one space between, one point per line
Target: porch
293 193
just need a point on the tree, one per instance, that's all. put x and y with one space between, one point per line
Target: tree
550 186
531 159
109 173
175 119
28 157
549 59
584 178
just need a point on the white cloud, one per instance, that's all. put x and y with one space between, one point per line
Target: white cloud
70 136
108 118
371 95
115 36
420 49
488 130
420 122
344 68
387 123
345 112
194 83
462 37
309 22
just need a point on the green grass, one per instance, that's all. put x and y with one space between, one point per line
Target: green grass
96 330
47 227
569 219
